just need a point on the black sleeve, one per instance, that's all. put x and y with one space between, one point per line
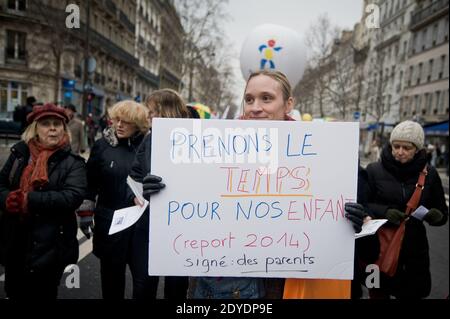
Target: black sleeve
375 210
4 180
93 171
362 186
438 195
141 163
68 198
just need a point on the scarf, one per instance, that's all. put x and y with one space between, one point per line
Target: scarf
35 174
403 171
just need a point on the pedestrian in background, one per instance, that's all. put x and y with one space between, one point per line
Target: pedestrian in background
21 112
392 182
41 185
163 103
76 128
107 171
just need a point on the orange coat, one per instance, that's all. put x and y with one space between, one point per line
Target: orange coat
317 289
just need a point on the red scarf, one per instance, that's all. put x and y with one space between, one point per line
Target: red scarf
35 175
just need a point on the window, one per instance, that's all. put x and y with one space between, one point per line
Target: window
11 95
430 70
438 101
435 33
400 82
19 5
416 104
424 39
446 30
15 45
442 68
419 73
429 103
414 43
410 75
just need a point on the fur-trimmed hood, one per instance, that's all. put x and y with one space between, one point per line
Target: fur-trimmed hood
110 136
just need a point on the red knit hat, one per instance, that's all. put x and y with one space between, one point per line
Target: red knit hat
40 111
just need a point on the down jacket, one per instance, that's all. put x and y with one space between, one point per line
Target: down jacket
47 237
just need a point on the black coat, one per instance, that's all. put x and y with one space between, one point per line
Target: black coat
391 185
108 167
47 237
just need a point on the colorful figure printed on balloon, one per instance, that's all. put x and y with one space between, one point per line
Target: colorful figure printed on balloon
268 52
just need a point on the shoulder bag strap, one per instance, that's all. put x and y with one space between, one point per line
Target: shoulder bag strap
415 198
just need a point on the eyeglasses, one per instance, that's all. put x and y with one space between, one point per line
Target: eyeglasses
117 120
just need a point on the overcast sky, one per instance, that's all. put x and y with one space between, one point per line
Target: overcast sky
295 14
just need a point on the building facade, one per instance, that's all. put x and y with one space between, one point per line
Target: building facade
130 53
426 93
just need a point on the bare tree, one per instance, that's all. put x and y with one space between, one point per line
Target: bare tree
319 39
377 85
202 21
59 40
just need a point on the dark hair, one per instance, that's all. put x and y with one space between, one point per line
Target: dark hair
71 107
31 100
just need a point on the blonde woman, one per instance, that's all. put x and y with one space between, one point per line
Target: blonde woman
107 170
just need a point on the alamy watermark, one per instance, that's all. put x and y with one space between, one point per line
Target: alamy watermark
373 17
73 19
73 277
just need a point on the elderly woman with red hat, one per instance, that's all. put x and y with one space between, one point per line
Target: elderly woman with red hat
41 185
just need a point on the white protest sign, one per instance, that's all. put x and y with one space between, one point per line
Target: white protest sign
253 198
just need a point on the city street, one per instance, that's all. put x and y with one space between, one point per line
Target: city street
90 270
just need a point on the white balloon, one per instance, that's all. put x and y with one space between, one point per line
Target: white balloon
275 47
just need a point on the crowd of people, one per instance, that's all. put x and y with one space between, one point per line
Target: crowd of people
45 184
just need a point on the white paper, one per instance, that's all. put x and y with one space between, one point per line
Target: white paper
370 227
137 188
126 217
420 212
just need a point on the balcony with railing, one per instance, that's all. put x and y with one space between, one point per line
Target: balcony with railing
425 15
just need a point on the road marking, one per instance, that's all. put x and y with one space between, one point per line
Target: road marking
85 249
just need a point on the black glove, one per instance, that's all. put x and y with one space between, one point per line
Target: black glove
151 184
395 216
356 214
434 217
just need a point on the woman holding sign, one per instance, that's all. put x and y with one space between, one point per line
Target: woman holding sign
108 167
267 96
392 182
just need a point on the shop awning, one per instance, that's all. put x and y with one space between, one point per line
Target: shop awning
436 129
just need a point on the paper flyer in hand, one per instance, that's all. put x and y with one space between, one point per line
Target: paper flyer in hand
126 217
420 212
370 227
